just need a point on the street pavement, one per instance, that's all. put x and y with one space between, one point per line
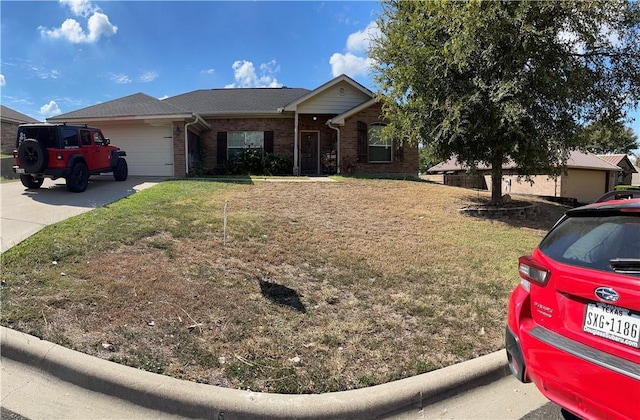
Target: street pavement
477 389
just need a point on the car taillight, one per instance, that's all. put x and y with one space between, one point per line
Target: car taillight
531 271
15 154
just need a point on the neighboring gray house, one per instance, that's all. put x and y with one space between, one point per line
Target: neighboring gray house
586 178
10 121
330 129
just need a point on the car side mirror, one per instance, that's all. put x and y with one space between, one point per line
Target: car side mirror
107 141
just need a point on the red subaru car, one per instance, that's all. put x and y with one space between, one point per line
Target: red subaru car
573 324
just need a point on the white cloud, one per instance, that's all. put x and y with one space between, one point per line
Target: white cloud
360 41
163 97
98 24
354 62
120 78
244 72
208 71
50 109
80 7
349 64
3 82
148 76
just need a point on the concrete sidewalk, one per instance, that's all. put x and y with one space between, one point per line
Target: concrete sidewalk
84 386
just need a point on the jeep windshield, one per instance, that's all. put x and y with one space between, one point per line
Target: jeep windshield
45 135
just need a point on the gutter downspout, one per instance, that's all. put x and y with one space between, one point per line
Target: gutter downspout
186 140
296 170
337 146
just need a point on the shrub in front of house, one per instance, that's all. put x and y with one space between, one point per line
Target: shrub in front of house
254 162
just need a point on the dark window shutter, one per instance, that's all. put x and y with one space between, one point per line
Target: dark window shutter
268 141
363 142
398 152
222 147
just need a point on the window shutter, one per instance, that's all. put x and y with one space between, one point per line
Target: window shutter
268 141
398 153
222 147
363 142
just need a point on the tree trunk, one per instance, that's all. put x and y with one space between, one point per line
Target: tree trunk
496 178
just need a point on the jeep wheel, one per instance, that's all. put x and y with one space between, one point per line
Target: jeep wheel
121 171
32 156
31 182
78 180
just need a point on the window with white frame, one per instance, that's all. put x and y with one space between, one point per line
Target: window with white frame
240 140
380 150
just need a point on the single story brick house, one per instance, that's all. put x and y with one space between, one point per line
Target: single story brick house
331 129
585 179
10 121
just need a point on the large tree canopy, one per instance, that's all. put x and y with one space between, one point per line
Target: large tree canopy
601 138
491 81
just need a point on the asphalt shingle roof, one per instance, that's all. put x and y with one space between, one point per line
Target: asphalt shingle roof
8 114
139 104
236 101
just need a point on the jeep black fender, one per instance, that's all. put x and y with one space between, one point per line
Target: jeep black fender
115 155
73 159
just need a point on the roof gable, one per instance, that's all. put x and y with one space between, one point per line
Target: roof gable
620 160
136 105
334 97
236 101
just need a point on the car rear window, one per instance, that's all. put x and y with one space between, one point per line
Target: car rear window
593 241
45 135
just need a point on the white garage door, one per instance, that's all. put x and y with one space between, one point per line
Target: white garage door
149 148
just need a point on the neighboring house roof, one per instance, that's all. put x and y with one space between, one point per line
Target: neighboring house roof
10 115
236 101
618 159
138 105
576 160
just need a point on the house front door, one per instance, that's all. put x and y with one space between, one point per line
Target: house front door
309 156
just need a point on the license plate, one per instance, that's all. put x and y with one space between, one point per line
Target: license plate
613 323
19 170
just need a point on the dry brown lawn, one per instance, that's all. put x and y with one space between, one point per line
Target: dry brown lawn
320 286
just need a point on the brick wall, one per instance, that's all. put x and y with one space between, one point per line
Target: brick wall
407 165
8 132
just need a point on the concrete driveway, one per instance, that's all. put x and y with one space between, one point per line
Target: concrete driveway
24 212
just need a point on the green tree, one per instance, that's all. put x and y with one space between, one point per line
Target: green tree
491 81
601 138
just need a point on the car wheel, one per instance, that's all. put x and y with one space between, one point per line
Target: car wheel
78 180
31 182
32 156
121 170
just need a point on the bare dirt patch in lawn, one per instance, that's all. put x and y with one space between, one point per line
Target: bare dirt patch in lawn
320 287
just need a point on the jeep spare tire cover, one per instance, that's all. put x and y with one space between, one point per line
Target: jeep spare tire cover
32 156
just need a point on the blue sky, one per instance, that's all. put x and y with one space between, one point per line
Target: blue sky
60 56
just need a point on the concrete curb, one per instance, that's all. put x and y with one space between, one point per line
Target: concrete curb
190 399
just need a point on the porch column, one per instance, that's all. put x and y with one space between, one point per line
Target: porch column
296 169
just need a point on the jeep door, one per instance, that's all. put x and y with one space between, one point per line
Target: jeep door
96 155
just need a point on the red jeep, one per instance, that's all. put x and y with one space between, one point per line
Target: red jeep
72 152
